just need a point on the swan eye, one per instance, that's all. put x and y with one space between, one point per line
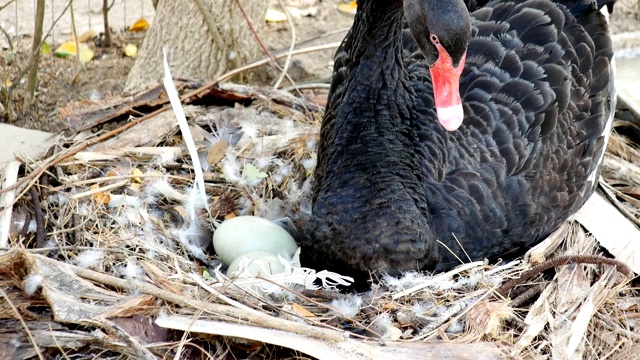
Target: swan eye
434 39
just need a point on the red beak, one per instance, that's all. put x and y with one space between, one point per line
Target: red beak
446 89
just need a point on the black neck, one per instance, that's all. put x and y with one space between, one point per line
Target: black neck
377 26
374 113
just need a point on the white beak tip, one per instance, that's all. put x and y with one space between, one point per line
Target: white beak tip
450 117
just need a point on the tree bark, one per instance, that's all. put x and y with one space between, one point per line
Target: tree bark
107 30
203 38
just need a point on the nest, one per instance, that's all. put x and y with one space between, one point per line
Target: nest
108 252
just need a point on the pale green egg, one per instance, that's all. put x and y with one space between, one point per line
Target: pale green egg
244 234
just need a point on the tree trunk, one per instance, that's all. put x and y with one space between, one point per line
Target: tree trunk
107 30
203 38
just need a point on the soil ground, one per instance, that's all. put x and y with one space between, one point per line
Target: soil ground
63 80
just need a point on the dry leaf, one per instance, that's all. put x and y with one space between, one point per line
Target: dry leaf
275 16
349 8
389 306
301 311
101 197
217 152
142 328
87 36
140 25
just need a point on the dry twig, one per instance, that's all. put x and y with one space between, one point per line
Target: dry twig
561 261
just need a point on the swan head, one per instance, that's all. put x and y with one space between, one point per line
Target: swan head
442 30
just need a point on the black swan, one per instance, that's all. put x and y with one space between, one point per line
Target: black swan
507 149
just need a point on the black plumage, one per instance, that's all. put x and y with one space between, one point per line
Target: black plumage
394 191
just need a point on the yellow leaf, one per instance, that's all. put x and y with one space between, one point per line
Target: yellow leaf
86 55
250 172
136 172
206 274
101 197
301 311
46 48
275 16
140 25
230 215
67 49
217 152
349 8
131 50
